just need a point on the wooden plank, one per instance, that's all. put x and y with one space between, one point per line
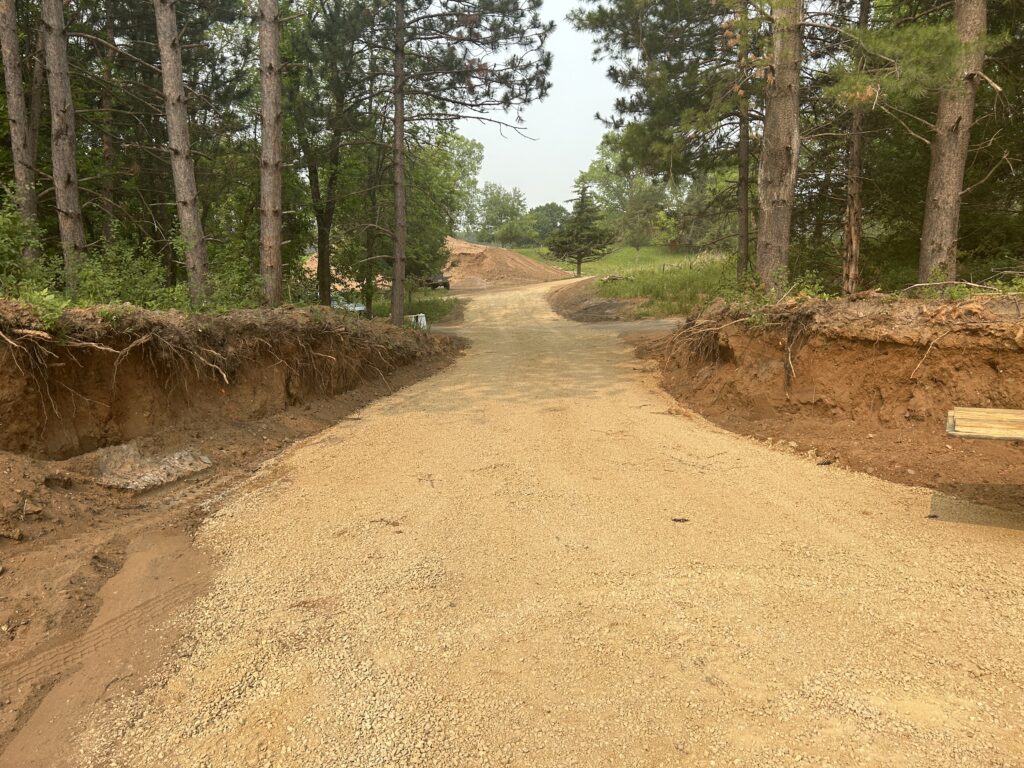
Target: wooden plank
987 423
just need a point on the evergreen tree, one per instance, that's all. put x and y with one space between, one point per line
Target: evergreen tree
583 236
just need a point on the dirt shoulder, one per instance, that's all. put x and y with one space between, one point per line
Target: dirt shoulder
580 301
864 384
95 549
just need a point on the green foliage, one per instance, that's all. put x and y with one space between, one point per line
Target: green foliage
497 207
436 308
20 244
678 288
117 272
583 236
545 219
47 305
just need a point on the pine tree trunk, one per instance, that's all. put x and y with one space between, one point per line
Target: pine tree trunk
853 219
324 205
400 232
182 166
271 208
107 107
62 138
949 148
743 154
17 112
743 190
780 146
35 109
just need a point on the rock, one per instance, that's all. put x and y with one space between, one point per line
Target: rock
30 507
9 532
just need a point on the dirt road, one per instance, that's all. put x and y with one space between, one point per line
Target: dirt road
533 559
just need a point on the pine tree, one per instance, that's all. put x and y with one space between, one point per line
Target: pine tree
583 236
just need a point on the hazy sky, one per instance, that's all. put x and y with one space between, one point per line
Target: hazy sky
563 127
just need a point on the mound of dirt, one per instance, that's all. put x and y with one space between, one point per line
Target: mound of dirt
580 301
103 376
475 266
866 383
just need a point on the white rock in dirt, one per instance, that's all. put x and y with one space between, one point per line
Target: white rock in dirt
126 467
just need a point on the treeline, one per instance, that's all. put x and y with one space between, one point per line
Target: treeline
874 144
195 152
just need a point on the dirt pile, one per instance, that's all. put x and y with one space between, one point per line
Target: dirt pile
866 383
475 266
104 376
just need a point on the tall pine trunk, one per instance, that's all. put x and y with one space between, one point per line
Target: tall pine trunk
400 231
949 148
17 113
271 208
182 166
743 189
853 220
107 107
780 146
35 107
324 204
743 154
62 139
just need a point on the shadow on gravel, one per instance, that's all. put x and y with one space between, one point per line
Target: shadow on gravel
1000 506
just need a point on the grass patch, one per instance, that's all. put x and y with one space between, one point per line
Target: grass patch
674 289
620 261
673 283
437 308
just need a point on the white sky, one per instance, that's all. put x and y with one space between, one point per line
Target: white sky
563 127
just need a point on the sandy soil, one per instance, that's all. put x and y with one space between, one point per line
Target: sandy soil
865 383
476 267
99 564
532 559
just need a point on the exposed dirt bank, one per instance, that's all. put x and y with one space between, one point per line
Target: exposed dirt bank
865 383
580 301
104 376
70 632
474 267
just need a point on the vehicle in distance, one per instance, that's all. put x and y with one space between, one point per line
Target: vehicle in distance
439 281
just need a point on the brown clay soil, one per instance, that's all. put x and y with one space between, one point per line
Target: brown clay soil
863 383
475 267
96 547
580 301
536 559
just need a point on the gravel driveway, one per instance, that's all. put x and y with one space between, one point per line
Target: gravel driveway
534 559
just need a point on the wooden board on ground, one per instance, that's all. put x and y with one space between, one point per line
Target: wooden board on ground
990 423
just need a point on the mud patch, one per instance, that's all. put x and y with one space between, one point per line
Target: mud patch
863 383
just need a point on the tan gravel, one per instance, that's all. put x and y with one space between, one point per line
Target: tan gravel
484 570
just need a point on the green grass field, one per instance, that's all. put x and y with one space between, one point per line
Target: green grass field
673 283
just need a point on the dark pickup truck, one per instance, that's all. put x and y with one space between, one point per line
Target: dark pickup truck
439 281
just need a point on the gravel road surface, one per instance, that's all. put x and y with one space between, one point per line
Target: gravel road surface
537 559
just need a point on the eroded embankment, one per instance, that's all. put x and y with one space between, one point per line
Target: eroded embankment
866 383
104 376
162 416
